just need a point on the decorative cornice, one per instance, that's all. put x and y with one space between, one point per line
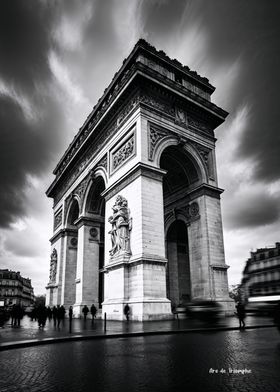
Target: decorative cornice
219 266
133 262
205 189
62 233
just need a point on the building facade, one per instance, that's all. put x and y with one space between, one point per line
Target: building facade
14 289
137 215
261 275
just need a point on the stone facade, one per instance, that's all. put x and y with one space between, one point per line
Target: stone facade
261 275
15 290
140 171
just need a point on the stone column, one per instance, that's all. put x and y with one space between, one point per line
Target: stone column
87 274
207 260
138 279
68 292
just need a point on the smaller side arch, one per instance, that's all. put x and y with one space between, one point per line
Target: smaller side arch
73 211
172 217
102 172
94 185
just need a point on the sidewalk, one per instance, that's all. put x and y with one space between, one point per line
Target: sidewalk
28 334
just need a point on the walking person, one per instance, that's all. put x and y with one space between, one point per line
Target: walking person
42 316
241 314
85 311
13 315
49 313
70 315
60 314
93 312
126 312
54 312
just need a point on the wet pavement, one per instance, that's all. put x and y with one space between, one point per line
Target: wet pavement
216 361
29 331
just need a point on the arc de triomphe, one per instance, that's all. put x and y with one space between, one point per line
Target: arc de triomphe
137 215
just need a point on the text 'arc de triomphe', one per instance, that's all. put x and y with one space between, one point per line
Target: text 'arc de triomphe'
137 215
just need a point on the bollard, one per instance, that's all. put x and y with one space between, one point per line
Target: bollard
178 320
105 321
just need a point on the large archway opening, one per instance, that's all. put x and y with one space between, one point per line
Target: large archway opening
71 239
178 267
182 176
95 210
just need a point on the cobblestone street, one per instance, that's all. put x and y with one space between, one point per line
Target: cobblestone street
192 362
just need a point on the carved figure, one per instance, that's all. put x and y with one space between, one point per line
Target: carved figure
121 227
53 266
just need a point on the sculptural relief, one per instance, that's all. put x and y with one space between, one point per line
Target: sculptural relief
53 266
121 227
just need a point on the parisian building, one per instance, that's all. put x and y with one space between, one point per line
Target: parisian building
14 289
261 275
137 216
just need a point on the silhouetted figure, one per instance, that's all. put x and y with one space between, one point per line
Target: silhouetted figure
85 311
93 311
42 316
49 313
126 312
13 315
70 315
54 312
60 314
240 310
17 314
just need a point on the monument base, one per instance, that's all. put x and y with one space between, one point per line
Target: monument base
140 309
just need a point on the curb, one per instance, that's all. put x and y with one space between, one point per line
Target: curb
75 338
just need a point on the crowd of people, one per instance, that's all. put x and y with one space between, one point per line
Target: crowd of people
57 313
41 313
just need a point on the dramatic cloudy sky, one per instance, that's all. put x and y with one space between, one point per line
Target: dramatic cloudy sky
57 57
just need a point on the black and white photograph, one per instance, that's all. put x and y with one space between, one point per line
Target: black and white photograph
140 196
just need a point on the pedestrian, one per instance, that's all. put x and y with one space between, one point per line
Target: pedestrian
93 311
42 316
49 313
13 315
126 312
60 314
70 315
241 314
85 311
17 314
54 312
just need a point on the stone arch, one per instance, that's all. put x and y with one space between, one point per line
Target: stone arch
189 150
93 202
182 172
102 172
73 212
178 279
172 217
94 212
